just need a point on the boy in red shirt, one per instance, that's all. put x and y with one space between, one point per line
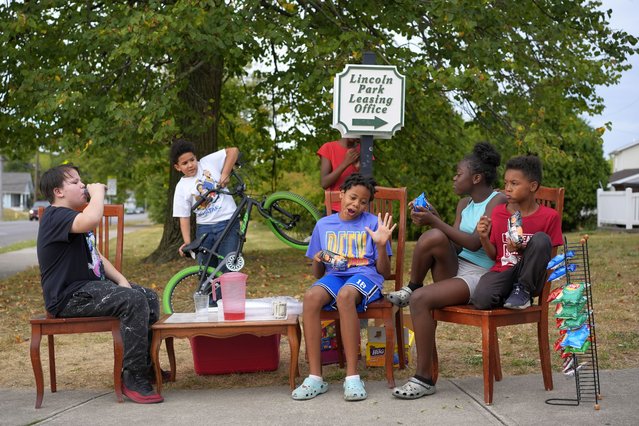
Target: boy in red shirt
519 269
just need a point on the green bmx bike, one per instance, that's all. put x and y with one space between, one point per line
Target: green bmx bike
289 216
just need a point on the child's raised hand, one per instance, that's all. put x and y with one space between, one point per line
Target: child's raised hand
483 227
384 229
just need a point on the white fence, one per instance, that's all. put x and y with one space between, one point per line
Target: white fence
618 208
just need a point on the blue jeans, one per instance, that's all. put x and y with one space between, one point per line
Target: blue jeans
214 231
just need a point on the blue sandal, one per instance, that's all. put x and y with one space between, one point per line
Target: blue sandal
309 389
354 390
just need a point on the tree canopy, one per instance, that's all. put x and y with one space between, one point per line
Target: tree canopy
118 80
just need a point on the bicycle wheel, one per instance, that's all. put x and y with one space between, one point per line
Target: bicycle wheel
292 218
178 293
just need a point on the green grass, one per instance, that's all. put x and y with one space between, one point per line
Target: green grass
273 270
17 246
11 215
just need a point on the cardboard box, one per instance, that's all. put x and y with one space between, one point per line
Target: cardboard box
376 347
328 345
239 354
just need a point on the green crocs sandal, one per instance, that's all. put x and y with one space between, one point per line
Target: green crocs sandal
354 390
309 389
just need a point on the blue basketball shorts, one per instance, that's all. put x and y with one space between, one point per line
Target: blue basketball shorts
332 284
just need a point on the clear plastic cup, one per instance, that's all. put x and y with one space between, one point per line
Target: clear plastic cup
201 301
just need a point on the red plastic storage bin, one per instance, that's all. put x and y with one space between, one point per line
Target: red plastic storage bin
239 354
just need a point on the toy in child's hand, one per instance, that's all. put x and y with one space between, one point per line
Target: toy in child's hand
421 201
337 261
515 230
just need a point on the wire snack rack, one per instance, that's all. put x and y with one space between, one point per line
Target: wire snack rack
582 365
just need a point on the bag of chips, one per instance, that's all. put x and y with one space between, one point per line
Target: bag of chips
561 271
515 230
421 201
580 350
576 338
554 294
560 259
336 261
559 344
572 293
570 310
572 323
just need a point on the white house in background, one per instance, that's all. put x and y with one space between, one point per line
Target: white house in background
620 205
17 190
625 168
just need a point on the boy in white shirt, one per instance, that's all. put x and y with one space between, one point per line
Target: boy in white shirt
212 215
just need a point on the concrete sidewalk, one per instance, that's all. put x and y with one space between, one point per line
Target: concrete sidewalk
518 400
17 261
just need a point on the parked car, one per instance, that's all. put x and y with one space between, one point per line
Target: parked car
33 212
134 210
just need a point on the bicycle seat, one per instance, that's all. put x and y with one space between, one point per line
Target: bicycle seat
194 246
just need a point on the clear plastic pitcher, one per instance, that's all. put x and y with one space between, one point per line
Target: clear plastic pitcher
233 286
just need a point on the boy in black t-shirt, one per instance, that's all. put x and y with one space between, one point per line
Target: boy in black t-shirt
77 281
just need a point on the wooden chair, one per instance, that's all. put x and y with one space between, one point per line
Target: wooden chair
490 320
385 200
49 326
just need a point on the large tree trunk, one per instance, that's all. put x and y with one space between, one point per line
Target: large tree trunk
202 95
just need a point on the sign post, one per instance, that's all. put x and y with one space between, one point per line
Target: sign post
112 187
369 104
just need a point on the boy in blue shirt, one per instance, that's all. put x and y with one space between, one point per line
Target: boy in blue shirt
364 241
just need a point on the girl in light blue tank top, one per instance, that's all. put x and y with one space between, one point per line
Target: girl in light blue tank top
454 257
469 218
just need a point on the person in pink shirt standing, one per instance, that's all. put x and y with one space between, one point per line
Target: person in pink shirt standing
339 159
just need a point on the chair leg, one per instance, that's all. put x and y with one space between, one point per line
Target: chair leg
118 355
544 354
390 346
36 363
497 357
487 336
340 347
54 384
399 329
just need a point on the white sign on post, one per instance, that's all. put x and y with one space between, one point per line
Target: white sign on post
112 186
368 100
